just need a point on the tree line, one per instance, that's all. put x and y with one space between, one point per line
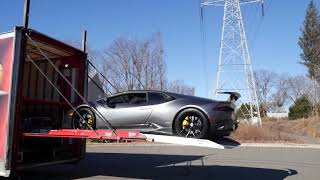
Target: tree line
277 92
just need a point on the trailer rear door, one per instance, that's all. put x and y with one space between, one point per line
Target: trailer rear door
7 43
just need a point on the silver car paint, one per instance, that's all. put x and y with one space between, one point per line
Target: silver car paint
158 117
125 116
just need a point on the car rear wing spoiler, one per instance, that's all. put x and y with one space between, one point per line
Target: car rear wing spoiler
234 96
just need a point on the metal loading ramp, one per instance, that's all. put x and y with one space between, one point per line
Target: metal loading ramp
183 141
125 135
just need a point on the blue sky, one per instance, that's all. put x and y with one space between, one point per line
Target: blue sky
273 45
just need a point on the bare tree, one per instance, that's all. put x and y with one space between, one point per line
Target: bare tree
298 86
139 64
280 97
313 95
118 65
180 87
265 81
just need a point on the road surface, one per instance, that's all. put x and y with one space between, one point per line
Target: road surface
158 161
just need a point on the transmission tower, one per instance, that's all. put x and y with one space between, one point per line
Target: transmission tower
234 70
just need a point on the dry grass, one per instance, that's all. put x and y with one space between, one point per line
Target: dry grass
305 127
250 133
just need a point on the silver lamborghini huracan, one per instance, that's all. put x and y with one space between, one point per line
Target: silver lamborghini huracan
160 112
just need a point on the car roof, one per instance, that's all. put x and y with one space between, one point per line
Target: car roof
174 95
137 91
140 91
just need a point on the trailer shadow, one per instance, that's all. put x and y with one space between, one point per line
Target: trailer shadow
151 166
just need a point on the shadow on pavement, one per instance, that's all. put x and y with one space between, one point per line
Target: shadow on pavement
151 166
227 142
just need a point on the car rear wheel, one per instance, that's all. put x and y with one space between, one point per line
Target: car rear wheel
191 123
86 122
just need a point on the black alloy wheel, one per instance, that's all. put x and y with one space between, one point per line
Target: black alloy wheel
191 123
86 121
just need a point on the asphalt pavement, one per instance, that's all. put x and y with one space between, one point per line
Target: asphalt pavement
160 161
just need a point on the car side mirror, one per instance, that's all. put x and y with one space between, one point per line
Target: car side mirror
112 105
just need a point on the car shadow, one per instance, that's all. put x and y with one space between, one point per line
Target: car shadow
227 142
151 166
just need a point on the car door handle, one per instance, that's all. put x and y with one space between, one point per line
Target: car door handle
145 108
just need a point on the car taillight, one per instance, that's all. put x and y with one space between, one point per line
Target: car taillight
223 107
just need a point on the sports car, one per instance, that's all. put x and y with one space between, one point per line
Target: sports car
161 113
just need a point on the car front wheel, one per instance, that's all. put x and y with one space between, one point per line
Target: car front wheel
83 119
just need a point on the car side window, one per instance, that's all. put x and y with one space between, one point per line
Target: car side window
156 98
103 102
136 99
114 101
128 100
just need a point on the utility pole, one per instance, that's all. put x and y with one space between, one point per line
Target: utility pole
26 10
234 70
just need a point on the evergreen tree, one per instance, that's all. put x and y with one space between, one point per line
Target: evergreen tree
310 41
300 109
244 111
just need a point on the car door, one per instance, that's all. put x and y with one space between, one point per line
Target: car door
129 110
160 111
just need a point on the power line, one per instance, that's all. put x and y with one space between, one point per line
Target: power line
204 45
251 21
260 23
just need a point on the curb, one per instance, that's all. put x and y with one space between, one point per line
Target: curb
281 145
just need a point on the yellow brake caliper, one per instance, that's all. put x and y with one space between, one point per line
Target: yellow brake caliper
90 119
185 122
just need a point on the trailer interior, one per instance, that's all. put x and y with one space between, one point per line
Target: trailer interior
41 108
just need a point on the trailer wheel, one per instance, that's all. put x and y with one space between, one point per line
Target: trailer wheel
86 122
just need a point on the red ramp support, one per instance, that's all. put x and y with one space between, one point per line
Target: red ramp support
91 134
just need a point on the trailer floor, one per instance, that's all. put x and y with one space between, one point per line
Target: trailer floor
161 161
